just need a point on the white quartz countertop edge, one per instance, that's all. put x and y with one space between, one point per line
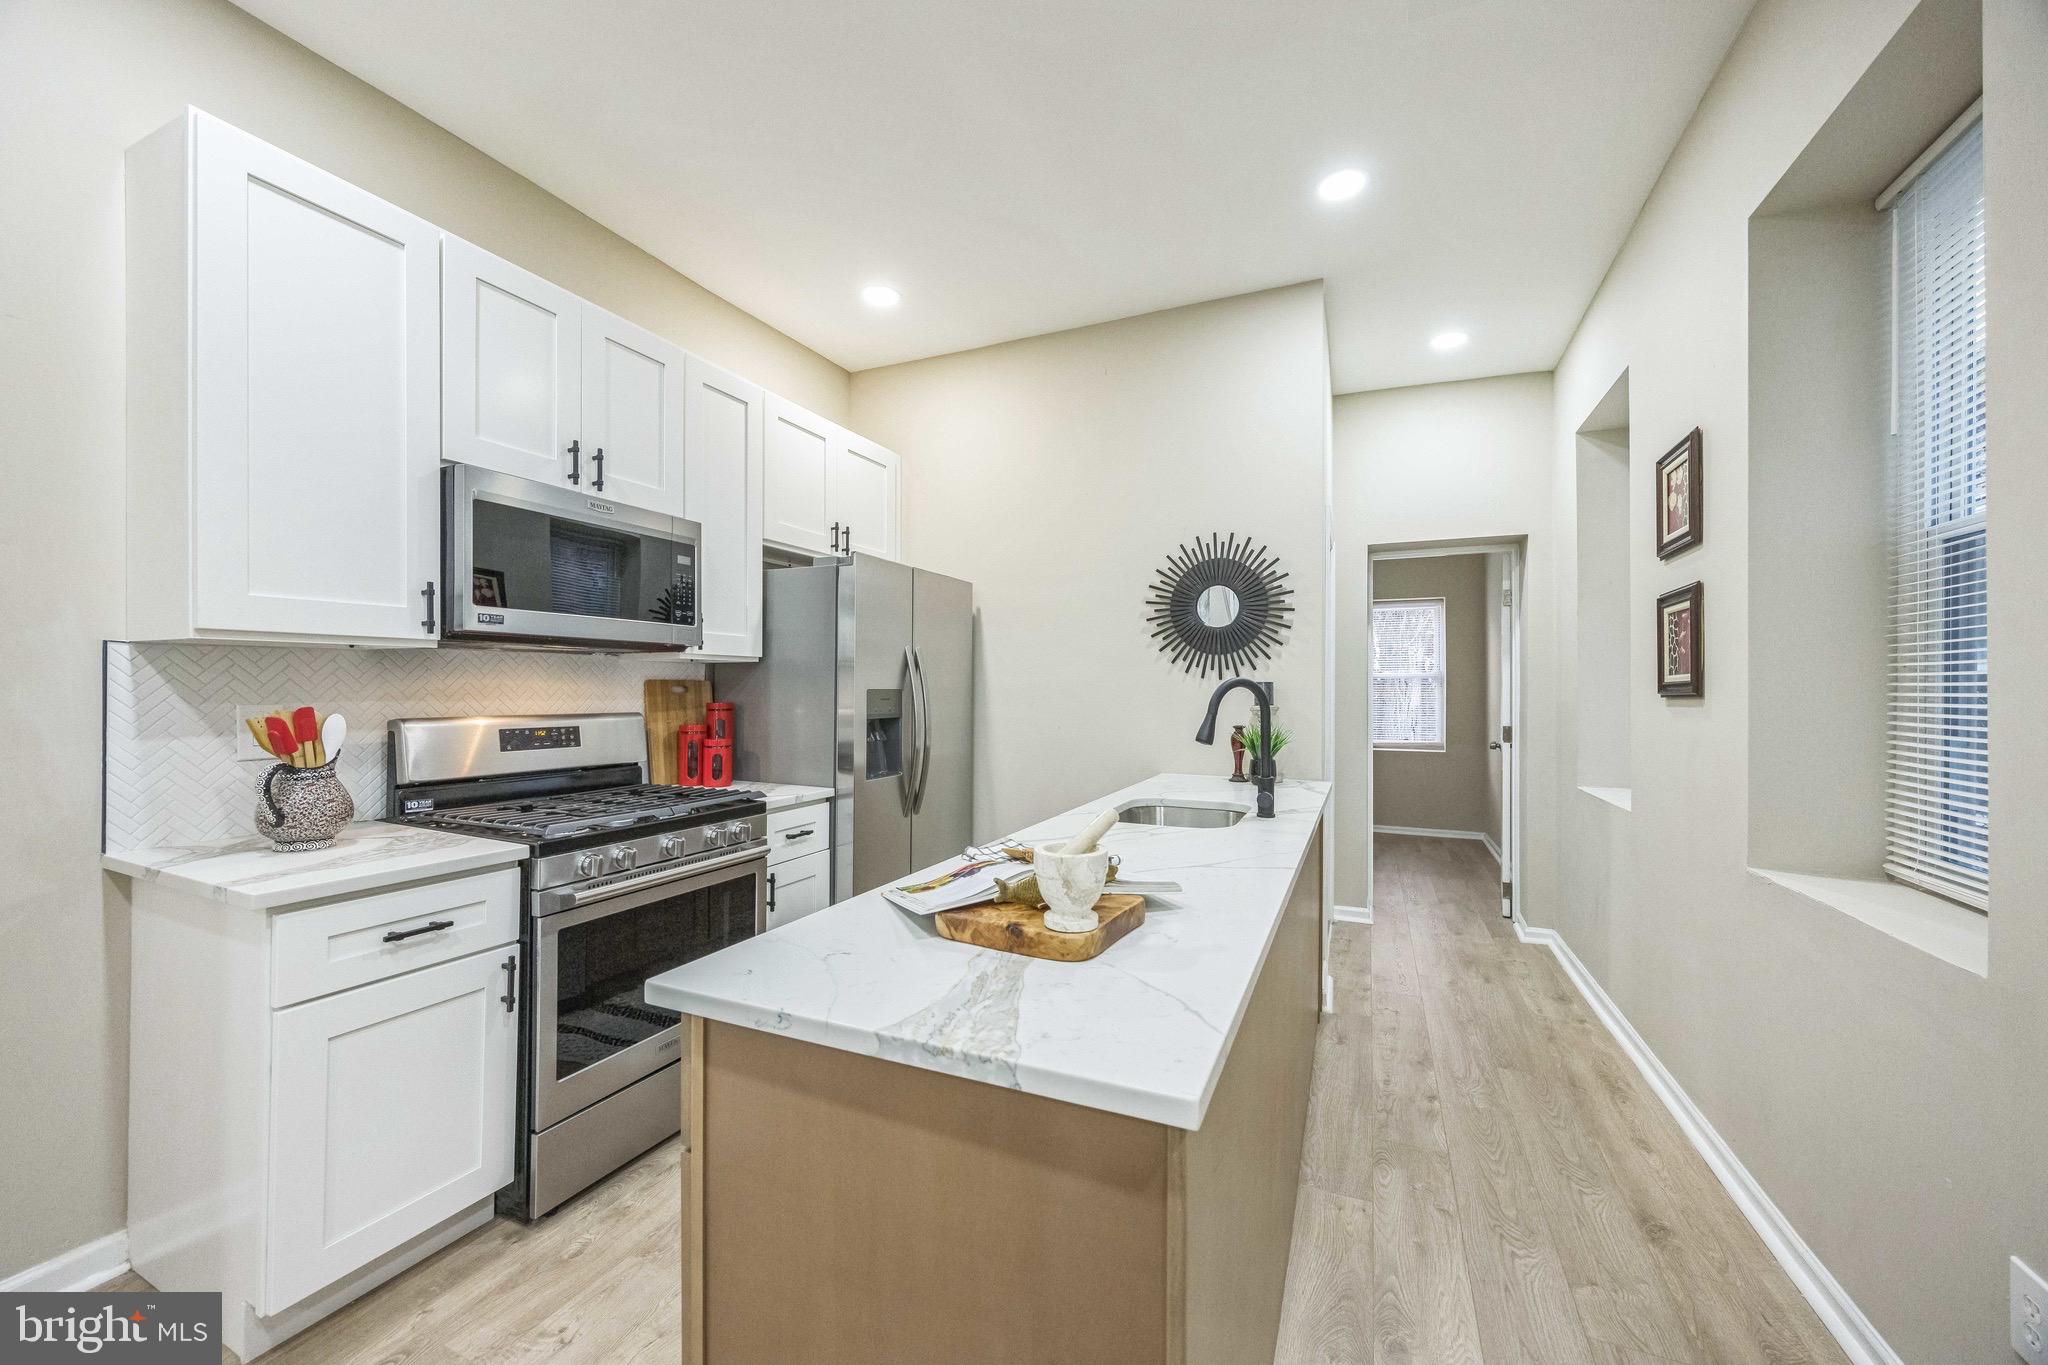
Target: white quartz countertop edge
1144 1031
369 855
785 795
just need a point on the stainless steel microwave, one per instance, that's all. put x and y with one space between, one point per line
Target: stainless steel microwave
530 563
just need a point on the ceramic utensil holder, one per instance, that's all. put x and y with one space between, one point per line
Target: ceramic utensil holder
1071 884
298 809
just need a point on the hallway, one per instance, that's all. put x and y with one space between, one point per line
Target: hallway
1486 1176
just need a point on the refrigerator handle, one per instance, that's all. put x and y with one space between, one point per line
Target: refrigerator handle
907 774
924 730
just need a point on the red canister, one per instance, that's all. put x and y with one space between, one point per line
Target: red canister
690 764
718 718
717 764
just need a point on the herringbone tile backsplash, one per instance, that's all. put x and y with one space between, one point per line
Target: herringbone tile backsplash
171 772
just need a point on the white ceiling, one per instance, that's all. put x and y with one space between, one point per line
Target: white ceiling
1019 168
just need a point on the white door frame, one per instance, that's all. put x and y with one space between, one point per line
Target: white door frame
1511 652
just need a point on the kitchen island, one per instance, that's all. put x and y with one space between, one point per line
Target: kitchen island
909 1150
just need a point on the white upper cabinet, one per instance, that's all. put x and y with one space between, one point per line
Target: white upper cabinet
633 421
727 423
864 488
511 358
799 450
542 385
283 386
829 491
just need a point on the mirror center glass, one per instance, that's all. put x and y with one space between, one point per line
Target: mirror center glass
1217 606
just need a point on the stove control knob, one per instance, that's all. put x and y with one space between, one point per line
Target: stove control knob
735 834
622 858
671 845
589 865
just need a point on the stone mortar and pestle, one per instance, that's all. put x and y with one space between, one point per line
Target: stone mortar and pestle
1071 877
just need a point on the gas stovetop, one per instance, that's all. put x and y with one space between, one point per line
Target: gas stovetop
541 818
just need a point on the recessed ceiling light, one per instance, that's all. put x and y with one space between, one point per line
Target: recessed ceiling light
1448 341
1338 186
880 296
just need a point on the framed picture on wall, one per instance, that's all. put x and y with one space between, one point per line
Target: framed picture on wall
1678 497
1681 641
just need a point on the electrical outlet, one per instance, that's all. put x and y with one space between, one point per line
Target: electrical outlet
246 749
2029 1314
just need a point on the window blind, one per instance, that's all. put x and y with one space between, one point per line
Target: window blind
586 570
1937 806
1408 673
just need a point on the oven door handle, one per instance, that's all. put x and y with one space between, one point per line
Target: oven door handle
554 902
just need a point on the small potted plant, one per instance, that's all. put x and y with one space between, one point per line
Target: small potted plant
1262 749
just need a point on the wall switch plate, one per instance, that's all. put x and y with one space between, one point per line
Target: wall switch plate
246 749
2029 1314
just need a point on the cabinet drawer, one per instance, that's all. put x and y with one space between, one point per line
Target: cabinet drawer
801 886
352 942
799 832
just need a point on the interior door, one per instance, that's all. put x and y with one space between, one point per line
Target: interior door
391 1110
1510 650
865 496
883 750
511 357
724 453
942 819
632 406
799 444
317 392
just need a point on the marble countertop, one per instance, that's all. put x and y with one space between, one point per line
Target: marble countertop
1144 1030
367 856
783 795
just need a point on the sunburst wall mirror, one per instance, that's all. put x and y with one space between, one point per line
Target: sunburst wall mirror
1220 604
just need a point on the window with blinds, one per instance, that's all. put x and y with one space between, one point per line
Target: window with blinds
1937 809
1408 674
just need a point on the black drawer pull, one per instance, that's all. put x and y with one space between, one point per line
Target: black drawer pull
432 926
799 833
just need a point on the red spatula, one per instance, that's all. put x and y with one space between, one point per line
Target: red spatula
306 730
281 741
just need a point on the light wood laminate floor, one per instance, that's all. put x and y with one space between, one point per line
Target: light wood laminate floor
1487 1180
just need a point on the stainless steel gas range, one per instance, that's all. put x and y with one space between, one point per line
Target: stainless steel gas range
623 881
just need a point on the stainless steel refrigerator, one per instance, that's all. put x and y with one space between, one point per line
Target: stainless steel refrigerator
865 685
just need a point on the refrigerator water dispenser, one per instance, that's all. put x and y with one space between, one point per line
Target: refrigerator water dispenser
885 732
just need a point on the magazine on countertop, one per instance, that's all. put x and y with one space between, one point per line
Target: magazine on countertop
970 882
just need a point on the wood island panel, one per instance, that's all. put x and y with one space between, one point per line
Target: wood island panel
842 1209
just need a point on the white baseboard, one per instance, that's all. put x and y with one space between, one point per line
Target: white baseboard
1854 1332
1477 836
1351 914
79 1269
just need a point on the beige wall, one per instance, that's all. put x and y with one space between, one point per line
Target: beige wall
1885 1100
1427 789
79 81
1460 462
1057 474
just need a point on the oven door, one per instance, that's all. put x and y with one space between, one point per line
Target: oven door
531 562
594 1033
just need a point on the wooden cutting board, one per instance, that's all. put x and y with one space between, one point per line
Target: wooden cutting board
1010 927
669 704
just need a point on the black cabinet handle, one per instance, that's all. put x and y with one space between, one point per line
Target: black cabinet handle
799 833
846 539
432 926
597 459
771 893
427 624
511 995
575 462
835 537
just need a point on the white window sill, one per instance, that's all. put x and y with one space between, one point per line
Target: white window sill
1410 748
1621 798
1958 936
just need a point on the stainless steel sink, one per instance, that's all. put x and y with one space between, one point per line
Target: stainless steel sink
1177 813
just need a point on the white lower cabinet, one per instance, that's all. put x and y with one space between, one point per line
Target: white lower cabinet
799 887
391 1109
319 1095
